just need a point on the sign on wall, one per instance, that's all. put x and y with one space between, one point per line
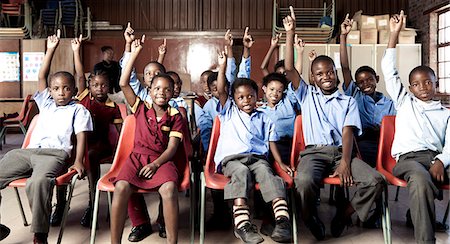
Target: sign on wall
32 62
10 66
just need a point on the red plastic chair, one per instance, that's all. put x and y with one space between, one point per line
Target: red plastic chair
11 9
67 179
124 149
210 179
123 110
298 145
21 121
386 163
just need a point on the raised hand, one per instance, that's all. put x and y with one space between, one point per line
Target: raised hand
162 48
289 21
53 40
76 43
396 22
247 39
346 26
228 38
298 43
312 55
136 45
221 58
129 33
275 40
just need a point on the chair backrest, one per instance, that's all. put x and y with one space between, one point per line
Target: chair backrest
186 133
123 110
27 139
215 133
298 142
11 8
384 160
24 108
49 17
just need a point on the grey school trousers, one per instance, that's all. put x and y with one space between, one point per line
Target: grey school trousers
413 167
41 166
241 168
320 162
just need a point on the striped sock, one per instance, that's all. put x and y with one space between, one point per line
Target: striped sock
241 214
280 209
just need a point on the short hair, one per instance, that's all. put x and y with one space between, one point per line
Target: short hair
63 74
106 48
279 64
243 82
207 72
99 72
213 77
165 76
175 74
365 68
422 68
160 66
324 58
275 77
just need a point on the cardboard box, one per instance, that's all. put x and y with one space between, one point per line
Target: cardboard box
368 22
383 36
354 25
407 36
353 37
369 36
382 22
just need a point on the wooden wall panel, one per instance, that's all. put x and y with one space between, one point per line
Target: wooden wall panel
10 89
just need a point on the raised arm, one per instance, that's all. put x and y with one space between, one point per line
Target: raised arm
130 96
273 45
221 86
291 72
162 49
311 56
79 72
248 41
128 34
346 26
229 43
52 43
395 24
300 48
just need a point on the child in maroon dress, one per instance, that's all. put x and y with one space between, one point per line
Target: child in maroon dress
104 112
158 134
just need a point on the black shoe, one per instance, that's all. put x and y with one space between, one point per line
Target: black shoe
140 232
218 222
339 222
409 222
266 228
373 222
316 227
40 238
56 218
86 220
439 227
4 231
162 230
282 231
248 234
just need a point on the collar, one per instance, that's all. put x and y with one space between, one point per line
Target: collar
108 101
335 94
170 110
430 105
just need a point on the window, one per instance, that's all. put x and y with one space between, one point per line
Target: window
444 51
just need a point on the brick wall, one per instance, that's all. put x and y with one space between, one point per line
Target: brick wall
427 25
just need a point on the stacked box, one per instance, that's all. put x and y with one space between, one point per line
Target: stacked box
369 36
353 37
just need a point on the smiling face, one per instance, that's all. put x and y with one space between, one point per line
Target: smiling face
99 87
324 76
150 71
422 85
62 89
161 91
245 98
367 82
177 85
273 92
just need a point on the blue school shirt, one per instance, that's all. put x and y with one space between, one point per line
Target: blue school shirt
324 117
244 69
419 125
283 113
56 124
371 112
243 133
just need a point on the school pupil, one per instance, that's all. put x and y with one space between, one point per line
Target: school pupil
158 134
104 113
372 105
330 120
110 67
421 143
50 145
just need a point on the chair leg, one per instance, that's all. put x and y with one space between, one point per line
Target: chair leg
95 215
66 209
444 220
331 197
22 128
192 209
385 218
396 193
202 207
22 212
294 216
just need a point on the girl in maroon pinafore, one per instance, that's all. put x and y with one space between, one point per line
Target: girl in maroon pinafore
157 136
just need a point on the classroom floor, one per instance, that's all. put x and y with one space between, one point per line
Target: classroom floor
75 233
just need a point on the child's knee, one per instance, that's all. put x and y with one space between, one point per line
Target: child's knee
168 190
122 187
